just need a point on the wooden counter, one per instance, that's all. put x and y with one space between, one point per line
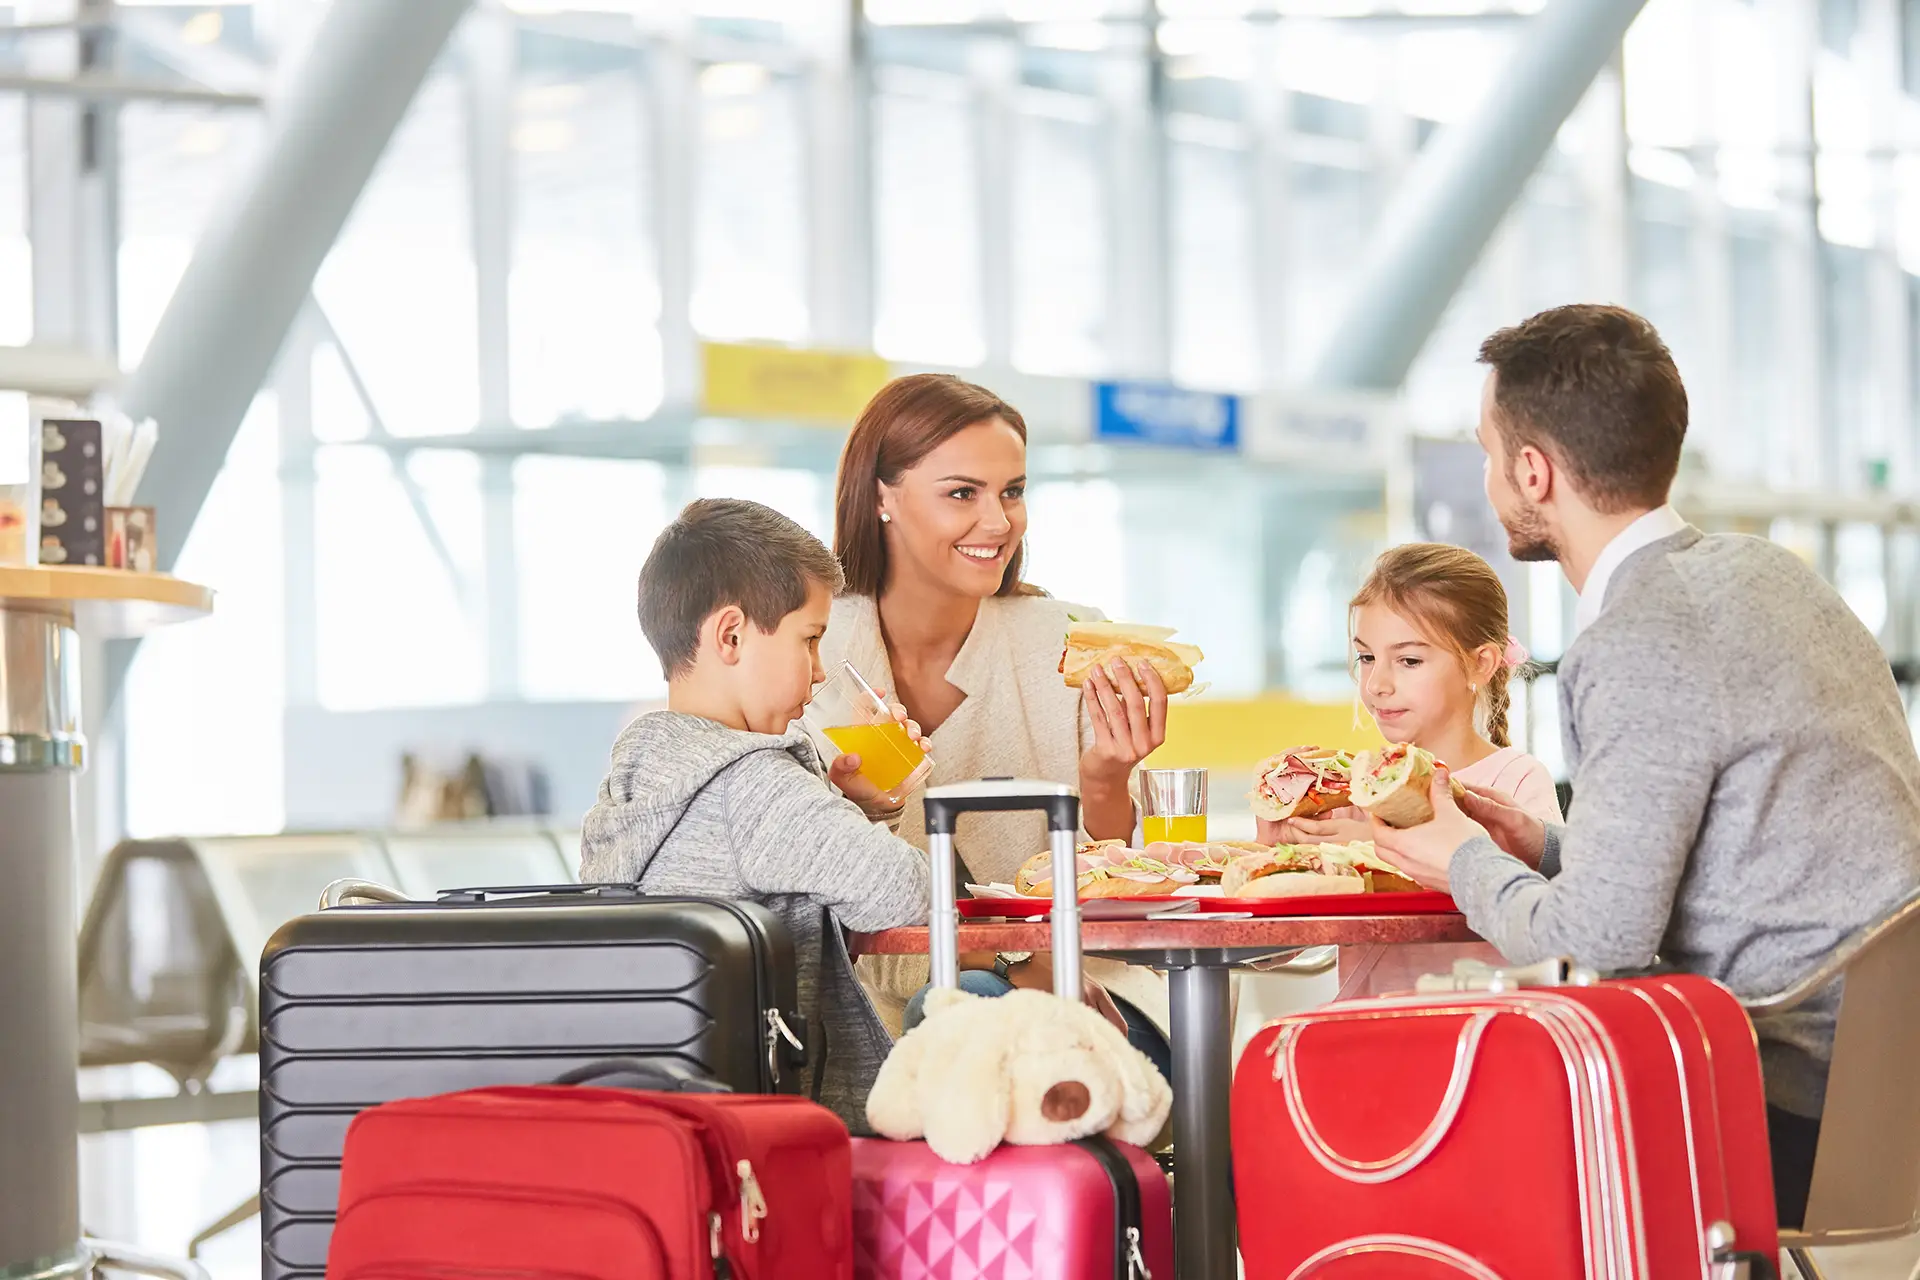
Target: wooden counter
106 603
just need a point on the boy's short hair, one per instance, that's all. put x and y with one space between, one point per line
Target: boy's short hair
722 551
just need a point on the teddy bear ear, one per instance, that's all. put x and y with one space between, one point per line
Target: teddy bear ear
968 1099
893 1104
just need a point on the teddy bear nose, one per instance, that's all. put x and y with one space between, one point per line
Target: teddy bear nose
1067 1100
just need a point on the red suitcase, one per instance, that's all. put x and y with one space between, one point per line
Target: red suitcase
571 1183
1078 1211
1606 1130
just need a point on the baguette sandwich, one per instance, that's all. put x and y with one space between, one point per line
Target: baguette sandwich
1302 783
1090 644
1395 784
1107 869
1300 870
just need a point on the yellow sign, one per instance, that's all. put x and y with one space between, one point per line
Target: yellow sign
1231 736
827 387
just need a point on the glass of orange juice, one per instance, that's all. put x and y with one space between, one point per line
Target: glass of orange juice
857 721
1173 805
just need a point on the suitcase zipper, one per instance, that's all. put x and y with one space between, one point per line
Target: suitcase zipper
1127 1262
778 1030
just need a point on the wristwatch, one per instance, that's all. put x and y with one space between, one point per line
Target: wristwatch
1003 961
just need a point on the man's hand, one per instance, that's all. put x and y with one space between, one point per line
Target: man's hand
1036 974
1514 829
1425 852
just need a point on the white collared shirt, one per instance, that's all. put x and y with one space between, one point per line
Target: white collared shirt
1662 522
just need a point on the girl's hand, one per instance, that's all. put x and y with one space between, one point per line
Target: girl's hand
1313 831
1129 714
844 771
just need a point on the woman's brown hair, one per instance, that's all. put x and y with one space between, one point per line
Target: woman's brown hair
909 418
1456 598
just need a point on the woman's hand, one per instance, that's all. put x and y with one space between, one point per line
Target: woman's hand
1312 831
1036 974
844 771
1129 713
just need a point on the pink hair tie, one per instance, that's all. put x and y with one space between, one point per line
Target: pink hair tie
1515 653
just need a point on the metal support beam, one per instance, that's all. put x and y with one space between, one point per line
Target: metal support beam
1460 189
673 102
249 277
1139 255
839 121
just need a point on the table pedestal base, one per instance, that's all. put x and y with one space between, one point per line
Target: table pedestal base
1204 1232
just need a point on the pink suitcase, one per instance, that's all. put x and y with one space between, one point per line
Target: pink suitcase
1606 1130
1082 1211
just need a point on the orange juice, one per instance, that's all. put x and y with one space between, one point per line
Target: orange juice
887 755
1181 829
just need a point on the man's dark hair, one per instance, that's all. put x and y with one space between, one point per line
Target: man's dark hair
1597 390
722 551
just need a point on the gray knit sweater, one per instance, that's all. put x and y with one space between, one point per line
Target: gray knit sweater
691 806
1745 791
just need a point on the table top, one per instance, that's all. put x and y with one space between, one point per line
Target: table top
1185 933
110 603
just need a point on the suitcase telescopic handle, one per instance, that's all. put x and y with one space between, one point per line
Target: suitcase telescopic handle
640 1073
1061 804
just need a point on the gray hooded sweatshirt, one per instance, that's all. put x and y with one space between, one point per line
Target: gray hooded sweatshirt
690 806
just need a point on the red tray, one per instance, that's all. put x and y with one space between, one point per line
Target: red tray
1337 904
1027 908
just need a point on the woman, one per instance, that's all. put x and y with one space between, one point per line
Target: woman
930 512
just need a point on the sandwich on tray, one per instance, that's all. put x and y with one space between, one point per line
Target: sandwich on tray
1107 869
1306 870
1090 644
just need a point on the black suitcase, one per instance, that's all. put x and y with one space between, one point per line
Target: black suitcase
364 1004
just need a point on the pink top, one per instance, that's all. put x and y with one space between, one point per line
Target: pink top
1520 776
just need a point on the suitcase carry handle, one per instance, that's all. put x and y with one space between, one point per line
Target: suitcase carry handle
1061 804
660 1077
350 889
1285 1050
1477 975
486 893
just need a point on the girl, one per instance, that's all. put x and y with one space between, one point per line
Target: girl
1433 660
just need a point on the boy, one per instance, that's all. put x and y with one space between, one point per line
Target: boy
722 794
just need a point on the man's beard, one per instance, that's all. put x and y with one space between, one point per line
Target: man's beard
1528 540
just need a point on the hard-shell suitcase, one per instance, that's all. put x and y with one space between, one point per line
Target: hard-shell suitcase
1545 1126
1079 1211
365 1004
595 1184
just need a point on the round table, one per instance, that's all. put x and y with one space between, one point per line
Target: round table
1197 952
43 610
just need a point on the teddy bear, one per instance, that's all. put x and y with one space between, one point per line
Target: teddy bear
1028 1068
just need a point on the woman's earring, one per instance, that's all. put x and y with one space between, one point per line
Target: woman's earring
1473 688
885 518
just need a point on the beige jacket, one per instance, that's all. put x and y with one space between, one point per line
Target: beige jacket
1019 720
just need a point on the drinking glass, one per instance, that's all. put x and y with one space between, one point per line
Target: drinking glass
857 721
1173 805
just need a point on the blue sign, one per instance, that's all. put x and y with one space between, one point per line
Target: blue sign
1159 413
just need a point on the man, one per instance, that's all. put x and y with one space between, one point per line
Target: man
1746 793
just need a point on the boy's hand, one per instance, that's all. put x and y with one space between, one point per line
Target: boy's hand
844 771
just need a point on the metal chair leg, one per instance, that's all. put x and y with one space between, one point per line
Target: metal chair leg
247 1208
1803 1263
